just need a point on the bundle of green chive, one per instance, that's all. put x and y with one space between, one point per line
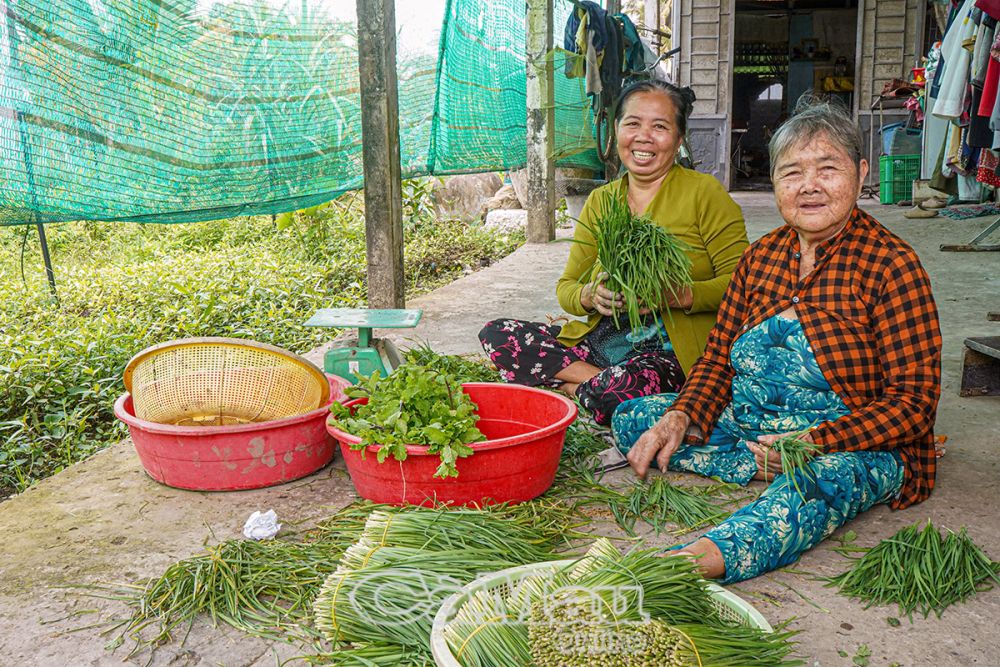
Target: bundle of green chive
796 454
920 571
390 583
643 260
658 503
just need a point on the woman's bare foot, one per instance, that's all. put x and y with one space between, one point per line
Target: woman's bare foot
568 388
707 556
578 372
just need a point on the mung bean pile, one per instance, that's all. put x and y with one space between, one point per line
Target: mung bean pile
643 260
920 571
608 610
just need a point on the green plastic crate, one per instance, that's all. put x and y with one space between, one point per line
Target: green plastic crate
896 176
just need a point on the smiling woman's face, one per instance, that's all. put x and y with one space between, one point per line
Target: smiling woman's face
816 185
648 136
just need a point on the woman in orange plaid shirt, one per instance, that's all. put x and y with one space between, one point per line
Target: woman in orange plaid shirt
828 327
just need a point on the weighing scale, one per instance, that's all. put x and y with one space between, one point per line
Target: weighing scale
370 354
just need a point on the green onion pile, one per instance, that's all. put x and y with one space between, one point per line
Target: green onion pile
643 260
414 405
795 456
391 582
268 588
262 588
920 571
659 502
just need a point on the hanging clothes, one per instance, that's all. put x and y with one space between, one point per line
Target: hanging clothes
592 32
953 73
990 7
990 85
980 134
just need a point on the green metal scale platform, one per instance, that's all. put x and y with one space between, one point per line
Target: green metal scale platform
370 354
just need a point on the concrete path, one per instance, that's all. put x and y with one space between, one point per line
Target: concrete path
104 520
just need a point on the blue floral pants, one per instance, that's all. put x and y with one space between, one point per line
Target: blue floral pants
774 530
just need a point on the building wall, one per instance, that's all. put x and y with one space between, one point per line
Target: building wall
890 32
706 40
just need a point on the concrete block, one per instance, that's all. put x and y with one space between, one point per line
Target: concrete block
463 197
507 219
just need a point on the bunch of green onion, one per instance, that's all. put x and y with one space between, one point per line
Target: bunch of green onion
391 582
920 571
643 260
659 502
262 588
795 454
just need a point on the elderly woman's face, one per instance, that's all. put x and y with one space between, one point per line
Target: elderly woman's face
648 136
816 185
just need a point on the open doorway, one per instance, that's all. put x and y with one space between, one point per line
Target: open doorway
782 50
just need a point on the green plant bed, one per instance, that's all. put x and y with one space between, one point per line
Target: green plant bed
123 287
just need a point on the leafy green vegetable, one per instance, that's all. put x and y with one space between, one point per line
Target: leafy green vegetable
466 369
415 405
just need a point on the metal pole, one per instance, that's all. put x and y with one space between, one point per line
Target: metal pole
48 260
30 174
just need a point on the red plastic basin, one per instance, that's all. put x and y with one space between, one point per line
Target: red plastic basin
229 458
525 430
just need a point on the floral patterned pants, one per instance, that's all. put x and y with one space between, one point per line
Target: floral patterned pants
528 353
774 530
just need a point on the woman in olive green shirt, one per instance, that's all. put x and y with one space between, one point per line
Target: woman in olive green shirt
593 359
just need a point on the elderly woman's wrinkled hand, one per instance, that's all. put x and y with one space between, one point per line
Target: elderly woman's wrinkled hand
659 442
769 461
595 296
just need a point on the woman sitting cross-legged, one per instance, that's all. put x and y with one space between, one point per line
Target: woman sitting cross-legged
595 360
828 327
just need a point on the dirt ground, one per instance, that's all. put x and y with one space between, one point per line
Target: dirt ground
104 520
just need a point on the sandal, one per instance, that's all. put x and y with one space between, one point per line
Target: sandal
933 203
919 211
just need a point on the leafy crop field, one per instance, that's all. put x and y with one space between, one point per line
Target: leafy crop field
123 287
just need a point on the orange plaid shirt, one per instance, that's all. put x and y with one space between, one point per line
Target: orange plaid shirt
868 312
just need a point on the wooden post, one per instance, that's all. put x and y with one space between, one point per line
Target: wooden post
651 11
380 152
541 124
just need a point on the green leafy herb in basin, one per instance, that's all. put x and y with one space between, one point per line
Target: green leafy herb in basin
466 369
414 405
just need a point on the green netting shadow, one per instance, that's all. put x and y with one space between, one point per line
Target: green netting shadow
189 110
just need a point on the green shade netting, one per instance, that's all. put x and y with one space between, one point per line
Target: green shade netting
187 110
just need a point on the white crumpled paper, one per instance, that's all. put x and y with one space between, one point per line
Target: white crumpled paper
261 526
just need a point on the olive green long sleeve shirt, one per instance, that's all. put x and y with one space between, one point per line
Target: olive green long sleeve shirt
695 208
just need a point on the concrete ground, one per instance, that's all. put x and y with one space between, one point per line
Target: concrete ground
104 520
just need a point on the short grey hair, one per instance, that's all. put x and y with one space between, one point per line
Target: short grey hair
814 116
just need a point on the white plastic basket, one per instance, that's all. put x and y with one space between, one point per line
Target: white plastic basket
731 607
